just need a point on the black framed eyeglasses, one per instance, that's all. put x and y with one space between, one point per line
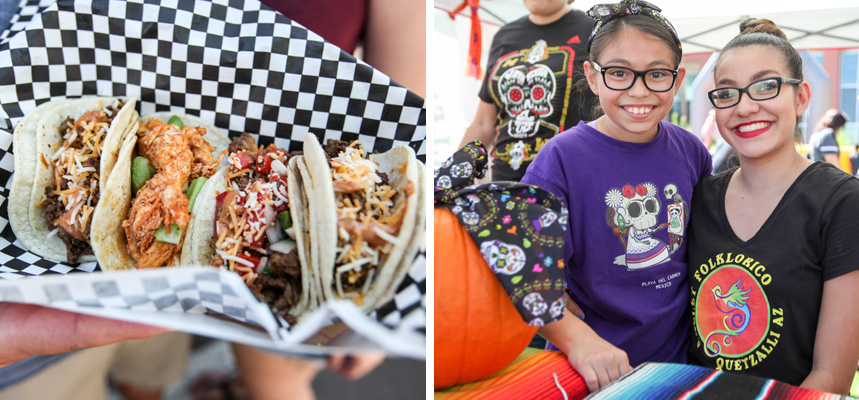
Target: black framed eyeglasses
762 89
622 78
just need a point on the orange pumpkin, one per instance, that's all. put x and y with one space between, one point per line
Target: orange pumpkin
478 331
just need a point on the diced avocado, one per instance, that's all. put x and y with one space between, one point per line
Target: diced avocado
194 190
285 220
175 120
174 236
140 173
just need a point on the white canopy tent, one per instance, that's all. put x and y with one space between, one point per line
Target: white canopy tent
703 27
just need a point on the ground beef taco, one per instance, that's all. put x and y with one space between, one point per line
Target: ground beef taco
68 148
251 219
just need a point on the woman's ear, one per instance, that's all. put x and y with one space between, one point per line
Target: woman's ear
592 75
803 97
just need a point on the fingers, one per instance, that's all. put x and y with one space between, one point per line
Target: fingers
600 369
354 366
35 330
574 307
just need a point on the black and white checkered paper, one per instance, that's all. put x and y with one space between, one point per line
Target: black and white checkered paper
238 64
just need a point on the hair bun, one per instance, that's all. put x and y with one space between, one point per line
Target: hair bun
763 25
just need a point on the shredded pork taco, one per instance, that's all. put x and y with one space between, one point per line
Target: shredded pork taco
160 171
364 217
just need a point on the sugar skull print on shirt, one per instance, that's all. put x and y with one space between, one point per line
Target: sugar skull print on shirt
634 213
526 86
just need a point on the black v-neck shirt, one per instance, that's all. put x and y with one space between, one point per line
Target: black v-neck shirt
756 303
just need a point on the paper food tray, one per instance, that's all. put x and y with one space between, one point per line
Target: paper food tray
245 68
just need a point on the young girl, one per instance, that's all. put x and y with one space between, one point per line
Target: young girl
627 180
772 245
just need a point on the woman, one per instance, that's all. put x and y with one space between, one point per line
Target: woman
772 257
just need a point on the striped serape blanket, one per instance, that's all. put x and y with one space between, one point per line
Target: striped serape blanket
532 375
679 381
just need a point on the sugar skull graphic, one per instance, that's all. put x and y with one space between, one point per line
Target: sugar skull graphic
557 307
534 303
444 182
633 213
503 257
527 96
462 170
517 154
676 217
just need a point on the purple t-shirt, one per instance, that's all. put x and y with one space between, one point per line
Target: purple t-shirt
626 243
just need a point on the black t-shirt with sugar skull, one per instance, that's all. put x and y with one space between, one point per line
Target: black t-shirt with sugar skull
531 78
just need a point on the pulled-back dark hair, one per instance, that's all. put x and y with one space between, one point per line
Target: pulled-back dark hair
763 32
608 33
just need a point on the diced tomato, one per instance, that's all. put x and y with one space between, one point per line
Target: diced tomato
264 164
240 160
249 258
219 201
278 178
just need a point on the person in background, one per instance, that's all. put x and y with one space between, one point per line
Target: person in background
709 133
627 181
773 264
391 34
854 160
824 147
533 65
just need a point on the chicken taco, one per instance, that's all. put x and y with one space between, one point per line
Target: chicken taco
159 173
74 145
364 216
251 218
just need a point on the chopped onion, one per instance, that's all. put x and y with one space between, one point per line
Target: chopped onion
262 263
291 232
284 246
272 228
278 167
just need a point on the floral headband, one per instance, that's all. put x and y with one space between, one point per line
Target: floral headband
604 13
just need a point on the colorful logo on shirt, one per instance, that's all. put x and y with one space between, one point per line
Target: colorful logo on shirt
633 215
734 321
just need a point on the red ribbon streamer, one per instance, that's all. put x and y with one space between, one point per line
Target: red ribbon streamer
473 68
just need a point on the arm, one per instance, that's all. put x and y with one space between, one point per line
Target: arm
28 330
482 128
832 158
395 41
596 360
836 350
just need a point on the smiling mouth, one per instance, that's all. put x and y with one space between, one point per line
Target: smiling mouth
638 110
752 130
753 127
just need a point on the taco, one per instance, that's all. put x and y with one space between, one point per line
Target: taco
159 172
364 216
76 145
251 218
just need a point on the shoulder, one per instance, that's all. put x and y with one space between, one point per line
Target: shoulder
709 187
579 16
570 137
678 132
829 184
519 23
684 138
